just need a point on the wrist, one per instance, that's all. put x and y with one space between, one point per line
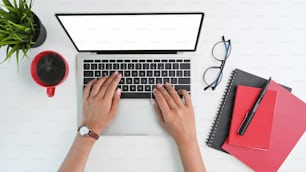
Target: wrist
187 141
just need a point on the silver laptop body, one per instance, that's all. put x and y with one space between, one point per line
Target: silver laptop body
134 116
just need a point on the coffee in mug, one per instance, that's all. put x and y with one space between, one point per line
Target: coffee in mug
49 69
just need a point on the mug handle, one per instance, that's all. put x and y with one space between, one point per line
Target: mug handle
50 91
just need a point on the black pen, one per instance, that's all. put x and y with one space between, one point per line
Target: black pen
249 115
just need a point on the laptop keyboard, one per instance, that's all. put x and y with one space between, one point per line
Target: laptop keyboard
140 76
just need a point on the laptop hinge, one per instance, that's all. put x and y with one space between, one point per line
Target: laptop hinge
138 52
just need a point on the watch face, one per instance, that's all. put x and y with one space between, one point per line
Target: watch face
84 131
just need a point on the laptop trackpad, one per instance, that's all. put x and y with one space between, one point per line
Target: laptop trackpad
135 117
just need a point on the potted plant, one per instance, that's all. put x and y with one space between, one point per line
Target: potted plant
20 29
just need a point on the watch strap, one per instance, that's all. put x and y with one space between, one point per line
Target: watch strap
93 135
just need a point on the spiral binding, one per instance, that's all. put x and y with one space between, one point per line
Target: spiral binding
215 125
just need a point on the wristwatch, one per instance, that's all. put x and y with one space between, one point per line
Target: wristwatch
85 131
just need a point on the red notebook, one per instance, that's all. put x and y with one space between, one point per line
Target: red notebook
289 124
258 133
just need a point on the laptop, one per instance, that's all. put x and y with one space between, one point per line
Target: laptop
146 48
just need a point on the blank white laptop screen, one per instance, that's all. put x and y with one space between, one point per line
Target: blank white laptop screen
140 31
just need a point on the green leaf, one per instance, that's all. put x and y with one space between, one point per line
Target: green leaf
7 3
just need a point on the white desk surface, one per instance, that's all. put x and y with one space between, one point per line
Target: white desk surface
268 39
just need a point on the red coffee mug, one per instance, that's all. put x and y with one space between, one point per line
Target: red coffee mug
49 69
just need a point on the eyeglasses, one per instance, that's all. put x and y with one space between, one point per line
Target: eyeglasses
213 75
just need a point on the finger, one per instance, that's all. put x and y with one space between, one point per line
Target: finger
88 88
173 93
187 98
163 105
106 83
167 96
115 102
97 86
112 86
158 112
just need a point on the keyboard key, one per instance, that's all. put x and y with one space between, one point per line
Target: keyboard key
148 88
97 74
173 80
179 73
145 66
166 80
127 73
104 73
156 73
108 66
164 73
138 66
186 73
134 73
143 80
86 66
111 72
88 73
136 80
142 73
178 87
122 81
175 66
130 66
159 80
171 73
184 80
135 95
149 73
168 66
185 65
153 66
86 80
151 80
132 87
123 66
101 66
94 66
139 88
116 66
160 66
128 80
125 88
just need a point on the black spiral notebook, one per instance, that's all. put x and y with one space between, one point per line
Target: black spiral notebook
221 125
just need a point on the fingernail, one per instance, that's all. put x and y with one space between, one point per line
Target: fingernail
153 101
116 72
118 91
158 85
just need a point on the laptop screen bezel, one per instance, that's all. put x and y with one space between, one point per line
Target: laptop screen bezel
133 51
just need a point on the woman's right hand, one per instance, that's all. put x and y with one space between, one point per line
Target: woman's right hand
176 116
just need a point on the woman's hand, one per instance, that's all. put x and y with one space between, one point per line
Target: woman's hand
175 115
100 102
